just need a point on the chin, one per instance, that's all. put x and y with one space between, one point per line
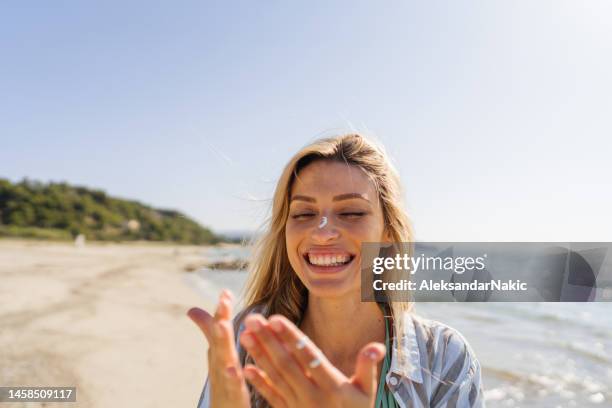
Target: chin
329 289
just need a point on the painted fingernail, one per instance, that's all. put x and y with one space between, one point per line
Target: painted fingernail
276 326
247 340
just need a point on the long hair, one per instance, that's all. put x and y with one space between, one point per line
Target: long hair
273 287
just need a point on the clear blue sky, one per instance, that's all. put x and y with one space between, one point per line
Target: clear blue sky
498 114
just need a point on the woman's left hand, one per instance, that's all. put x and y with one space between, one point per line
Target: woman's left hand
292 372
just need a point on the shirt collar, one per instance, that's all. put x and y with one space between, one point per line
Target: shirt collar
410 364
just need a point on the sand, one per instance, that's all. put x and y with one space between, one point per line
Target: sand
109 319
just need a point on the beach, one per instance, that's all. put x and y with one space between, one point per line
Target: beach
108 319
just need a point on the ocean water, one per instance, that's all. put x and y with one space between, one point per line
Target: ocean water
532 354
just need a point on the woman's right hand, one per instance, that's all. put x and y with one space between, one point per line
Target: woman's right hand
225 378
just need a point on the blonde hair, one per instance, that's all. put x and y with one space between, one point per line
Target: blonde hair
273 286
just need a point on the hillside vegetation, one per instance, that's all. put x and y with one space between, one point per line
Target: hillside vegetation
60 211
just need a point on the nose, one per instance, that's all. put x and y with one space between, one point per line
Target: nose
325 231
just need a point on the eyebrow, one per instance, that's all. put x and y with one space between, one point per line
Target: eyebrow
347 196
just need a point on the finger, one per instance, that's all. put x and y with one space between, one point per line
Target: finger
264 386
310 358
203 320
225 353
262 360
228 380
282 358
224 308
227 373
365 377
220 338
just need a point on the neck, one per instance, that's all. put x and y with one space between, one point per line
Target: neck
340 327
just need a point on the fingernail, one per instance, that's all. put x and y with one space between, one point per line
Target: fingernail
252 324
276 326
217 330
247 340
249 375
224 301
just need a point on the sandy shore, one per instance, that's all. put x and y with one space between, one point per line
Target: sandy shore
107 318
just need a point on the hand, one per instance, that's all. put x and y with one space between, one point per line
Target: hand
226 381
286 376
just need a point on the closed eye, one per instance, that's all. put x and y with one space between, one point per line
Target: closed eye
352 214
302 216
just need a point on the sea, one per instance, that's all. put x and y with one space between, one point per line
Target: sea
531 354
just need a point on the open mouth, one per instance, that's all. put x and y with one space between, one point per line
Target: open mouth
328 260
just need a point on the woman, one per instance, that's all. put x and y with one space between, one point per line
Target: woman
304 338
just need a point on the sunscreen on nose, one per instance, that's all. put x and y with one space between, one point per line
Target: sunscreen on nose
323 222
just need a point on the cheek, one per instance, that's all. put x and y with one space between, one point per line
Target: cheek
366 231
295 231
293 235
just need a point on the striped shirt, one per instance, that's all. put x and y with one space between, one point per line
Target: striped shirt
437 368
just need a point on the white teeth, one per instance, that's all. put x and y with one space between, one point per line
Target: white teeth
328 260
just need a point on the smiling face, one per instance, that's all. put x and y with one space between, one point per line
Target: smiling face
326 253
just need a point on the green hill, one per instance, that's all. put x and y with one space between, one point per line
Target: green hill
59 211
